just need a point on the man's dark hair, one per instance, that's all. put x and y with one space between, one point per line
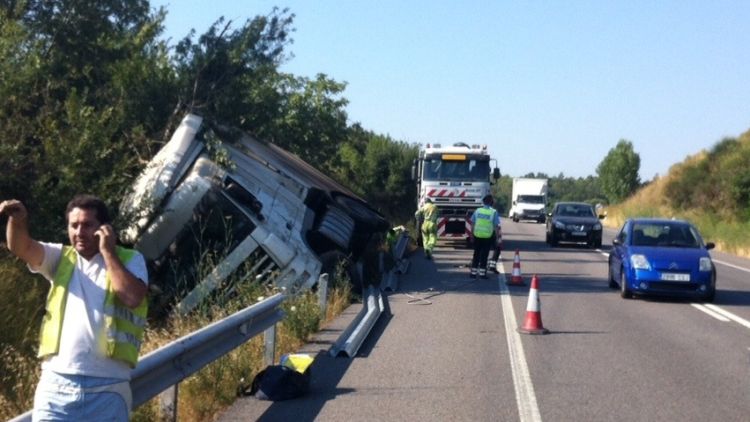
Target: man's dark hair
488 200
89 202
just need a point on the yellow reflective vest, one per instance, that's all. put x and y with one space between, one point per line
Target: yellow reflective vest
483 226
124 327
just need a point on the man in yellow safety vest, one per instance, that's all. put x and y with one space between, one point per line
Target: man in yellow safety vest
95 313
429 213
485 228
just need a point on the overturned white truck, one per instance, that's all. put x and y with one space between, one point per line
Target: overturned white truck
216 207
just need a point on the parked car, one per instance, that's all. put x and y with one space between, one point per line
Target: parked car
574 222
661 257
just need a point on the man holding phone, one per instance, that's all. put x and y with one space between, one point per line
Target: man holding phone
95 313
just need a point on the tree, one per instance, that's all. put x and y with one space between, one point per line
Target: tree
231 75
82 83
618 172
379 169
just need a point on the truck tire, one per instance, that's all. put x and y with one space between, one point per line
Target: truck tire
340 268
337 226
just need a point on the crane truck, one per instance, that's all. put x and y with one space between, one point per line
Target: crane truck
455 178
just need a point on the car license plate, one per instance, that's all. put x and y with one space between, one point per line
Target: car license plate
675 277
579 233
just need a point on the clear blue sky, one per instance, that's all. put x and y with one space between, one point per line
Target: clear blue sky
549 86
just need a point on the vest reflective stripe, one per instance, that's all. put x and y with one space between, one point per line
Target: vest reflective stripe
124 327
483 226
123 337
124 314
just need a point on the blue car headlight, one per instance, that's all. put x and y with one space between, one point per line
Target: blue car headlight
559 225
639 262
705 264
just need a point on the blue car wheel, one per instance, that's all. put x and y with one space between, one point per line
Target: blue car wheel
711 292
624 291
612 282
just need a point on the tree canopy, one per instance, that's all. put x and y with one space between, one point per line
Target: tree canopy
618 172
89 90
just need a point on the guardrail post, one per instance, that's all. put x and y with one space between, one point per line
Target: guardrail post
269 340
323 294
168 401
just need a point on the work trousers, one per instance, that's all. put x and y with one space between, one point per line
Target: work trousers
429 236
482 248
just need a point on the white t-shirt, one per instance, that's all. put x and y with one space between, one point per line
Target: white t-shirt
82 341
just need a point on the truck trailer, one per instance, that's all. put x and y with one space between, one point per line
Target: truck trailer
455 178
216 207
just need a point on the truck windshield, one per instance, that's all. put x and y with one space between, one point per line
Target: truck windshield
215 230
468 170
531 199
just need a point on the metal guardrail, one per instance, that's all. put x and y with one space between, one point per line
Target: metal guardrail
355 334
167 366
390 278
352 338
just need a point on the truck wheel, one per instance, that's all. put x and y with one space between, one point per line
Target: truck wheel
337 226
340 269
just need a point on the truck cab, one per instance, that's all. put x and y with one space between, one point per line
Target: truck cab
216 207
455 178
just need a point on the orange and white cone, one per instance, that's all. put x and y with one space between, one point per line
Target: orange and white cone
515 278
533 322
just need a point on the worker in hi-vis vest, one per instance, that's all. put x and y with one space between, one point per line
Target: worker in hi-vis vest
429 214
95 313
485 223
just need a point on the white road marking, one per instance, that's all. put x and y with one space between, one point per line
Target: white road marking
729 315
736 267
528 409
709 312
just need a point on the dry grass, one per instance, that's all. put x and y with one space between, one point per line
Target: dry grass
651 201
210 390
213 388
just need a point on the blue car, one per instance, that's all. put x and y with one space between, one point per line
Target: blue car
661 257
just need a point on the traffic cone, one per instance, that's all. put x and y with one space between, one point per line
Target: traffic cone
533 322
515 277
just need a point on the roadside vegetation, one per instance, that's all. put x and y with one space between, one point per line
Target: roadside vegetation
711 189
91 90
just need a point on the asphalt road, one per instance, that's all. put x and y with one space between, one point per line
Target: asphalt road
449 349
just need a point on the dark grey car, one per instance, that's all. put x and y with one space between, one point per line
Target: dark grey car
574 222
